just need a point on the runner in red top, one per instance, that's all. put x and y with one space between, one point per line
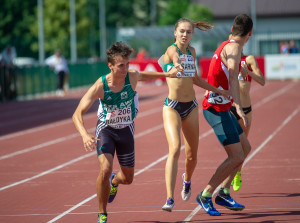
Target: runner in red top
249 71
218 76
223 74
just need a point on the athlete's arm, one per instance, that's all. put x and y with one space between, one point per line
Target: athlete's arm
231 56
172 55
149 75
203 84
256 74
96 91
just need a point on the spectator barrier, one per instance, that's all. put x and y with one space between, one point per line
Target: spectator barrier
37 80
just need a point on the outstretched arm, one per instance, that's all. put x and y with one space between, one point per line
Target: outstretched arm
203 84
149 75
256 74
85 103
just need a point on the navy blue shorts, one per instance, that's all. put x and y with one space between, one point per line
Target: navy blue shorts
120 141
225 126
183 108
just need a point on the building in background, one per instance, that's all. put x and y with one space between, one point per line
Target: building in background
276 20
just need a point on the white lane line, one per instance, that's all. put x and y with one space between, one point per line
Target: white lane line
136 174
274 95
259 148
40 146
148 131
48 171
43 127
150 211
65 138
284 123
143 170
69 120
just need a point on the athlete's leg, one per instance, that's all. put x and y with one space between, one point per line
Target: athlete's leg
103 184
246 147
124 176
172 126
190 128
246 130
234 160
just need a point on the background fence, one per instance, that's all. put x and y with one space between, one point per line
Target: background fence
25 82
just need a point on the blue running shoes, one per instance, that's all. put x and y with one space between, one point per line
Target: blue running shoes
228 202
113 189
207 205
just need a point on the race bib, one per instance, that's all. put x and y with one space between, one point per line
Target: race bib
240 77
120 117
214 98
187 62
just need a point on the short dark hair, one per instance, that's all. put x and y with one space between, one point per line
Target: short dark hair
242 25
118 49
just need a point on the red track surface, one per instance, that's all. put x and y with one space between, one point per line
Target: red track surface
47 177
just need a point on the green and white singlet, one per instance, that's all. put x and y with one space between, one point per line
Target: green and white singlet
187 62
117 110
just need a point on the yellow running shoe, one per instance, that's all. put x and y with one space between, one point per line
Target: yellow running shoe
237 182
102 218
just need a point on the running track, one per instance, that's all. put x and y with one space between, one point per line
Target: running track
46 176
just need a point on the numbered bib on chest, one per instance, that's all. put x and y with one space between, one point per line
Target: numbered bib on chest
214 98
187 62
240 77
118 118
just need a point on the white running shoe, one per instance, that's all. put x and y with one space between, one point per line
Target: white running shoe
186 189
168 205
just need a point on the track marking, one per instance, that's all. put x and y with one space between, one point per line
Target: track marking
59 140
148 131
159 160
47 171
259 148
272 96
258 210
67 121
136 174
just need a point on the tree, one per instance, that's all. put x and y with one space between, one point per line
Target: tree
57 27
15 17
170 11
198 12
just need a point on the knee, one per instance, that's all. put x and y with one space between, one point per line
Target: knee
174 153
105 173
191 158
247 150
128 180
238 159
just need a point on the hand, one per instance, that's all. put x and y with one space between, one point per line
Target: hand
178 67
89 142
243 117
226 94
244 70
172 73
205 93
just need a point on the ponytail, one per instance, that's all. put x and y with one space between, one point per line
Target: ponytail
203 26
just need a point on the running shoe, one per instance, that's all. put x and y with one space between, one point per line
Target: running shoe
228 202
237 182
113 189
169 205
207 204
186 190
102 218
